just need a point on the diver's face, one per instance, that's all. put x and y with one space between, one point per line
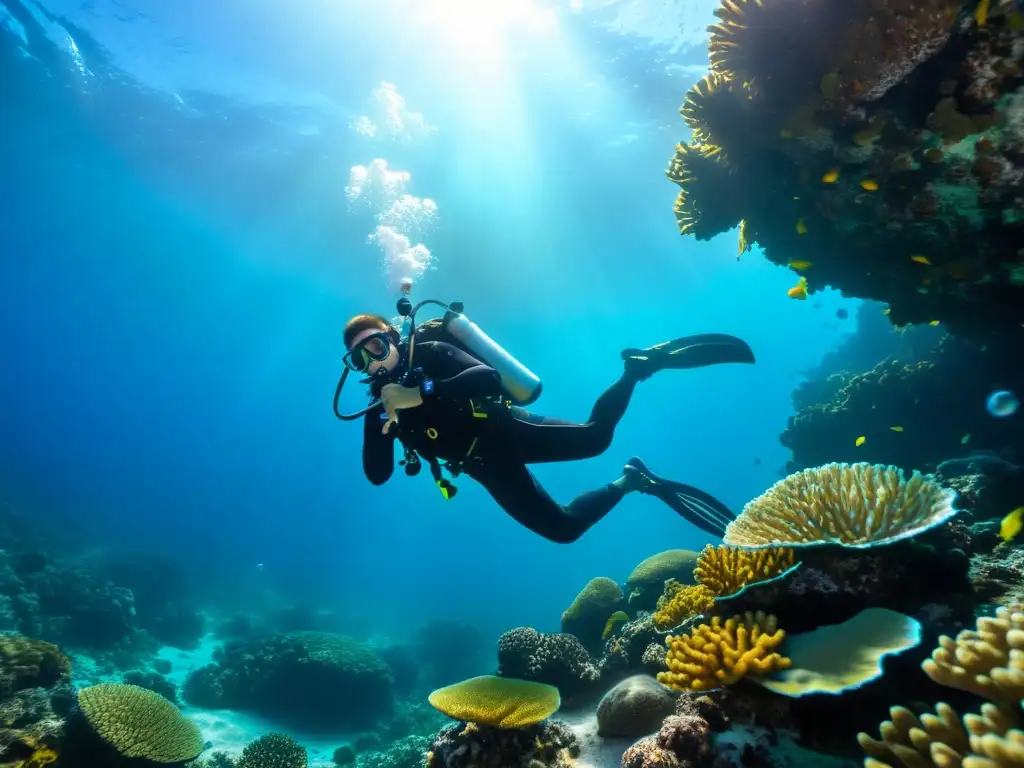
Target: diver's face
376 347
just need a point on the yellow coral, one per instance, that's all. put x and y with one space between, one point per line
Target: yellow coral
680 603
719 654
707 204
856 505
500 702
726 570
987 661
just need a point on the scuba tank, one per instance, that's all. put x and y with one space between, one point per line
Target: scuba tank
520 383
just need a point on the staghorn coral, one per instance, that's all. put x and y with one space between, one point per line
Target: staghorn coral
987 661
706 205
721 653
680 603
139 723
855 505
726 570
500 702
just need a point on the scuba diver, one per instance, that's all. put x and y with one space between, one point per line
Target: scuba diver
435 394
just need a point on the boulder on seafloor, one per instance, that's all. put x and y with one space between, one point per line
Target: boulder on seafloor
633 708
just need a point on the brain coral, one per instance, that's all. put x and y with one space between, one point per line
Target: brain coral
500 702
589 612
854 505
139 723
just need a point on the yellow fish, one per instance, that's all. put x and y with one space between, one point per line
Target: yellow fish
1011 524
896 428
921 260
860 441
933 322
801 228
869 185
981 12
798 291
609 626
744 237
886 311
965 439
831 177
801 264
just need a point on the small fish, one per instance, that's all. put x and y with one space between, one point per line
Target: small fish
933 322
921 260
965 439
801 264
744 237
981 12
798 291
1011 524
869 185
860 441
609 626
801 228
896 428
830 177
886 311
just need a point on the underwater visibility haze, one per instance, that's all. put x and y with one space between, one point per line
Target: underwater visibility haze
197 197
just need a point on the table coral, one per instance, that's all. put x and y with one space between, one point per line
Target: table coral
987 661
721 653
854 505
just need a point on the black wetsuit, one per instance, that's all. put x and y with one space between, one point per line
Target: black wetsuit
467 421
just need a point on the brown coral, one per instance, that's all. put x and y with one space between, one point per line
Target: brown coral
720 654
726 570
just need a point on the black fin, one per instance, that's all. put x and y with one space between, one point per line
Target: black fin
697 507
690 352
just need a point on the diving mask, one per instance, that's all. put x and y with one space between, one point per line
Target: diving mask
375 347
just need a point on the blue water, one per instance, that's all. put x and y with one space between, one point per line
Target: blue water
178 260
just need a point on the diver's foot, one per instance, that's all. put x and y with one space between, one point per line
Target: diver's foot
638 476
687 352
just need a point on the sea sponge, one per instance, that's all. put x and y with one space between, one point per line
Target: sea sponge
726 570
680 603
719 654
854 505
648 579
987 661
709 202
274 750
139 723
500 702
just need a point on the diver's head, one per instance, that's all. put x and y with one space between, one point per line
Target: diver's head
371 343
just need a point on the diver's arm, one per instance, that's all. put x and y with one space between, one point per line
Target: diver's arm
378 448
474 379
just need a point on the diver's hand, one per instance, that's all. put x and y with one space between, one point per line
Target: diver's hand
395 397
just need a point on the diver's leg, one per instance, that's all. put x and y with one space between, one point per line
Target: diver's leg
517 491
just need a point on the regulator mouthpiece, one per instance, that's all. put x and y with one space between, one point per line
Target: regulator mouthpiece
404 307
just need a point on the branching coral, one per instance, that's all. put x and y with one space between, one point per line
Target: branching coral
707 204
680 603
987 661
721 653
855 505
726 570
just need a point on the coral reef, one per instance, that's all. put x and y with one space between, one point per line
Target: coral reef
647 581
548 745
879 140
680 603
857 505
721 653
685 740
498 702
895 405
27 663
586 617
559 660
407 752
727 570
988 662
319 681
